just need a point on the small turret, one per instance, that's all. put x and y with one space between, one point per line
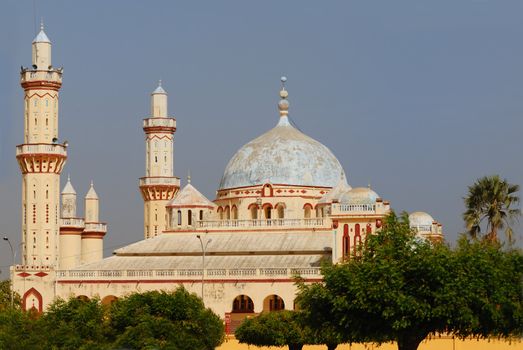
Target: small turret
94 232
91 205
41 50
159 102
71 229
68 200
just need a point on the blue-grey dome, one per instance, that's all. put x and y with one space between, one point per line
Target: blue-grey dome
283 155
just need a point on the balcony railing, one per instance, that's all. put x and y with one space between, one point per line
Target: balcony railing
159 180
41 75
95 227
190 274
316 222
41 148
354 207
164 122
74 222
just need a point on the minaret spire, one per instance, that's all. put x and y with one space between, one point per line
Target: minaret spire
283 105
159 185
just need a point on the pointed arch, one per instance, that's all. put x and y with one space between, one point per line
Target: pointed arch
37 295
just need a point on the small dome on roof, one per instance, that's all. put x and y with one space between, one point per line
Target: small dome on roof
420 218
190 196
359 195
335 194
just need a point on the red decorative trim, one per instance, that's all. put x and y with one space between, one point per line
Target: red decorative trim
159 137
41 96
93 235
38 296
267 205
308 205
159 129
41 85
41 274
252 205
24 274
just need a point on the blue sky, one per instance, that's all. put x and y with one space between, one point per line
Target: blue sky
419 98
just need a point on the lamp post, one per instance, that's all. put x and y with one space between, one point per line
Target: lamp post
204 248
13 260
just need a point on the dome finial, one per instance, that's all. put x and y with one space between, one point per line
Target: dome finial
68 177
189 176
160 82
283 105
41 23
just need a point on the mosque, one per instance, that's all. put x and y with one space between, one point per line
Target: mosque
282 207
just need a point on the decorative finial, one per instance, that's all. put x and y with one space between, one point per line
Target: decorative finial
160 82
283 105
68 177
189 176
41 23
92 183
368 185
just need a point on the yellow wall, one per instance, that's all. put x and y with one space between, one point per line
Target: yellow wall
434 344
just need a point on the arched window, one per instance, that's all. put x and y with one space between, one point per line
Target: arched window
253 208
307 211
357 237
242 304
201 215
179 217
220 212
189 217
273 303
280 210
234 213
227 213
267 210
346 241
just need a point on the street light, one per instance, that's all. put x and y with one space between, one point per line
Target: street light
11 277
204 248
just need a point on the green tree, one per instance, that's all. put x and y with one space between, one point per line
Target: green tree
19 331
316 305
162 320
282 328
74 324
492 199
5 296
403 288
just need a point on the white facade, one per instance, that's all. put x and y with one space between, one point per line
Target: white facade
282 207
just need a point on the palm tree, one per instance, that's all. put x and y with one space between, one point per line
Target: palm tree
495 201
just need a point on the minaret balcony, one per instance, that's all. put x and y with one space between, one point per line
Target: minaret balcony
151 125
95 227
160 180
41 148
41 79
41 157
72 222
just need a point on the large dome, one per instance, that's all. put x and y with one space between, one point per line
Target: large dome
283 155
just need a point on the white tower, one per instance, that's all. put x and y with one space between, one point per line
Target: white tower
94 232
159 185
71 229
40 157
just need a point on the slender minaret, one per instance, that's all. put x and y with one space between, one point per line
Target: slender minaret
94 232
159 185
71 229
41 157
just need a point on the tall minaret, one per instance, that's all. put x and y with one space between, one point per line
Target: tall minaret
159 185
41 157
